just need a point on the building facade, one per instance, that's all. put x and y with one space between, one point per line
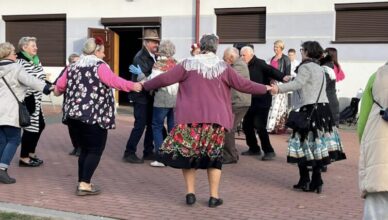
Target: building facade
358 29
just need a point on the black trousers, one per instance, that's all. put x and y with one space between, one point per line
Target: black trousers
92 139
73 136
256 118
30 139
230 152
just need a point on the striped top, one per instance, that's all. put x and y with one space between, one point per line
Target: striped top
36 71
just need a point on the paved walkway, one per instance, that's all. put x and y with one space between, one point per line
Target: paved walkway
251 189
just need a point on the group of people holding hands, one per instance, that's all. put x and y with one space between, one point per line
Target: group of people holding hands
201 97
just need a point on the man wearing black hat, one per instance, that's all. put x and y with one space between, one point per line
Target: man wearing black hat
143 102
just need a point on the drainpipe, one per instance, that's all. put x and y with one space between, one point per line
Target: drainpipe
197 14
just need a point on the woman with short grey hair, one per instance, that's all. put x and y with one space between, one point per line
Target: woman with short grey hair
14 77
196 141
29 59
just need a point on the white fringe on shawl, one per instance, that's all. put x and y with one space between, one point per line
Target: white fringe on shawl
88 61
208 65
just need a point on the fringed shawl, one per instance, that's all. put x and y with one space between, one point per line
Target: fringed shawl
88 61
208 65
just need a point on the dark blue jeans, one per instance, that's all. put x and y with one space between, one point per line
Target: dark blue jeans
158 116
10 138
143 120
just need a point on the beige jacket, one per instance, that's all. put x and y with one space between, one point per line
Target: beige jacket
19 80
373 165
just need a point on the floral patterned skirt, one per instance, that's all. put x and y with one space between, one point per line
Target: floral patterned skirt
318 145
196 146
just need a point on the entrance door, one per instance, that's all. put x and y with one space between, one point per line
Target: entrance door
130 43
111 46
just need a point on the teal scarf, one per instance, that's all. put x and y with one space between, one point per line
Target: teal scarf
35 59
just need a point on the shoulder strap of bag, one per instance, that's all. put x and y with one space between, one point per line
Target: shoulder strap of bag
319 95
378 103
9 87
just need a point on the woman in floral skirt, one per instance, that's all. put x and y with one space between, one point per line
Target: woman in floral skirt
203 113
319 144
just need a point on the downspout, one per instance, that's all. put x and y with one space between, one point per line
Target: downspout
197 14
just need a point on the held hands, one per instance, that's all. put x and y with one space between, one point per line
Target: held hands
274 90
137 87
47 89
135 70
269 88
286 78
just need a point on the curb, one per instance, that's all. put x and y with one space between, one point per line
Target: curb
42 212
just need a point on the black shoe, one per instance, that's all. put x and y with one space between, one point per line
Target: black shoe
324 169
213 202
251 153
73 152
312 188
190 199
78 152
32 163
37 160
150 156
302 186
5 178
268 156
132 158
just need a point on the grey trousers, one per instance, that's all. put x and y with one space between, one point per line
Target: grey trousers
230 152
375 206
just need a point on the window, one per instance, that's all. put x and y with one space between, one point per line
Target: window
241 25
49 29
361 23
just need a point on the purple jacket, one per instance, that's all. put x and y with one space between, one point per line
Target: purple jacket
203 100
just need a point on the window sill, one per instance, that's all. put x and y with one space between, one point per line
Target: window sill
359 41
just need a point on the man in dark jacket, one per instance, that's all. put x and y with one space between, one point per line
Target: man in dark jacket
143 101
257 115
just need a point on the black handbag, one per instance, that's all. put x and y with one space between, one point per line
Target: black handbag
24 115
300 120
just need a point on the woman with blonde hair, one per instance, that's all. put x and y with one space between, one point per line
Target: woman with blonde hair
13 87
89 108
278 112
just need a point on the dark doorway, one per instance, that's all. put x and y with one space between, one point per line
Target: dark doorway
129 44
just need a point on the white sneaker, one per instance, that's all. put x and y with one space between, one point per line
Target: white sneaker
157 164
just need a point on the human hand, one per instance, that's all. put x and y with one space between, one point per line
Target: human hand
137 87
286 78
135 70
268 87
274 90
47 89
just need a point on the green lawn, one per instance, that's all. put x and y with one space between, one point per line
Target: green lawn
16 216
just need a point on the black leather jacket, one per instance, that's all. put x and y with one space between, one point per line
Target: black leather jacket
261 72
284 64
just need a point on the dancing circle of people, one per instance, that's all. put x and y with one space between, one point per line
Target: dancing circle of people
200 134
